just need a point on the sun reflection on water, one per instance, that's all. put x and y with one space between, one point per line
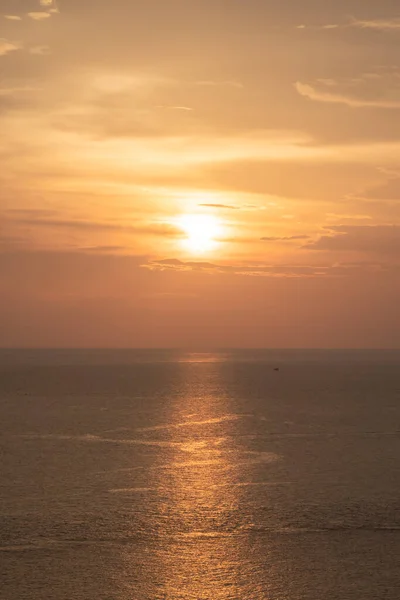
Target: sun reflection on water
195 523
200 553
202 558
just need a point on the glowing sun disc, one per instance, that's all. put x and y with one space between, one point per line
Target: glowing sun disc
202 232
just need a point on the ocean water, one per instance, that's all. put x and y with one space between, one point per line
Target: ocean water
166 475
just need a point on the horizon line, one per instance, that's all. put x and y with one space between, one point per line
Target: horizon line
202 349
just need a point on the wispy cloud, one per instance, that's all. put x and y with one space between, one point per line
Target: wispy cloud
174 264
322 95
348 217
289 238
7 46
228 83
184 108
376 239
387 24
12 17
13 91
32 220
378 24
104 249
224 206
259 269
50 5
29 212
39 15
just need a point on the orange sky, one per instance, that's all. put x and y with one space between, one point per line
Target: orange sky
200 173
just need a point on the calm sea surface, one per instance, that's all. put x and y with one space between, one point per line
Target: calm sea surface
149 475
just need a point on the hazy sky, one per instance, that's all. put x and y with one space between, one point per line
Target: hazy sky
200 173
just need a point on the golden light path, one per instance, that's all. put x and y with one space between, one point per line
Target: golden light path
202 231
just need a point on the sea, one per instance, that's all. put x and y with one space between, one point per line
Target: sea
177 475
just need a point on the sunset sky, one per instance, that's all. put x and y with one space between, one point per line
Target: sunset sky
200 173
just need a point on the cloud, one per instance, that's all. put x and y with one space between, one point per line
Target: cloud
184 108
13 17
7 46
228 83
285 239
262 270
377 239
39 15
50 5
377 24
224 206
40 50
174 264
32 220
102 249
322 95
387 24
12 91
342 217
29 212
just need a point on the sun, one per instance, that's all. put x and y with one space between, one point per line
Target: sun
202 232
